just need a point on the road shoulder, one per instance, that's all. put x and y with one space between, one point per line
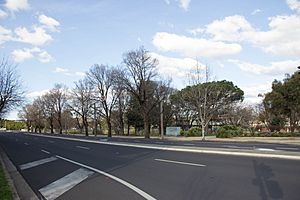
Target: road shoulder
19 187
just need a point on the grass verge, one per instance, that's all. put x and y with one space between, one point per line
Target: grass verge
5 192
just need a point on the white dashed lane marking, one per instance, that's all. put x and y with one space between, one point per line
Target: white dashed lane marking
37 163
264 149
179 162
82 147
60 186
47 152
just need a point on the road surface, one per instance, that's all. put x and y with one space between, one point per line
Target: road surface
63 169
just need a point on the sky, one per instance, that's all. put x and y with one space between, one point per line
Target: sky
250 42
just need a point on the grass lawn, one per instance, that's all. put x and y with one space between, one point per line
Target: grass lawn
5 192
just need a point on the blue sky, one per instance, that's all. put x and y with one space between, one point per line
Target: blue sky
248 42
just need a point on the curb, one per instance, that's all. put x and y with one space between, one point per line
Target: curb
18 185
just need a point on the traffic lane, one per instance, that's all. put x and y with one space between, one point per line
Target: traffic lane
227 172
16 149
42 175
103 156
100 187
224 177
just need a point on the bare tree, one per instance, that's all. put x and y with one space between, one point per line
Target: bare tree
141 81
11 93
58 99
32 114
103 78
48 109
82 102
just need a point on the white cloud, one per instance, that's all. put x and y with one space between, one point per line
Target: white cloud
67 72
20 55
231 28
194 47
49 22
282 38
254 12
44 57
16 5
37 37
251 92
184 4
294 5
5 35
178 67
196 31
275 68
80 73
2 14
35 94
60 70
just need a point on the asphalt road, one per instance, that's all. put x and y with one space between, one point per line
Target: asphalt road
63 169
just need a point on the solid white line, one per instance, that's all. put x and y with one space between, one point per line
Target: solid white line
164 148
26 143
178 162
81 147
60 186
45 151
36 163
50 141
129 185
287 148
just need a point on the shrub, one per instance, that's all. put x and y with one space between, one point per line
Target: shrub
228 131
192 132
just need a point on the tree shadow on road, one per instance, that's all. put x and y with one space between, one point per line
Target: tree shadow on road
268 187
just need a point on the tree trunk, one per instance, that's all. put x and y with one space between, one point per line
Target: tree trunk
203 127
51 126
128 128
59 123
109 127
86 126
146 126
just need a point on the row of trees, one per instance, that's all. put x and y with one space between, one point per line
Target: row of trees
281 106
130 94
104 92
